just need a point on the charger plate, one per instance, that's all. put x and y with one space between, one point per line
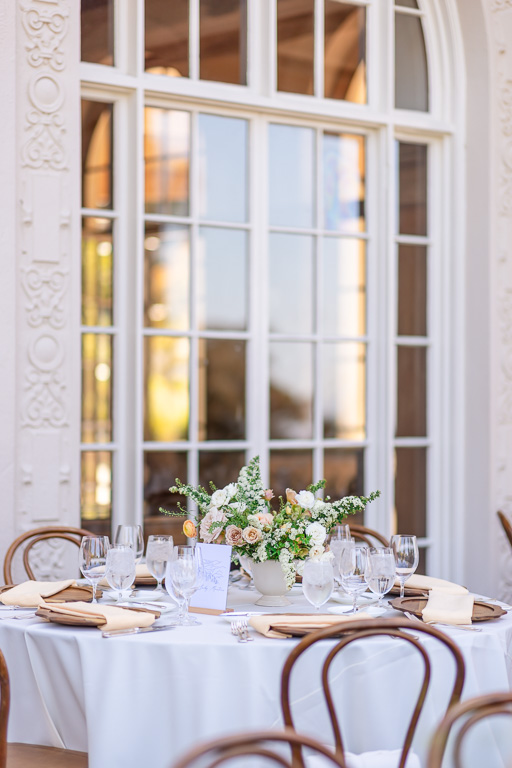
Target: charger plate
79 592
81 621
481 611
408 592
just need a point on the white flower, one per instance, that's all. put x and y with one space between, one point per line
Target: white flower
261 552
213 516
316 552
230 490
284 556
317 532
219 498
305 499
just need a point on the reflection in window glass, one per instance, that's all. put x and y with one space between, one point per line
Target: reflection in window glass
96 489
96 388
222 168
345 52
167 159
167 276
291 274
222 300
412 200
411 72
291 390
344 287
343 182
223 41
161 468
344 475
290 469
412 290
166 37
166 388
411 392
407 3
291 176
97 31
221 389
96 154
411 491
344 385
295 46
221 468
97 260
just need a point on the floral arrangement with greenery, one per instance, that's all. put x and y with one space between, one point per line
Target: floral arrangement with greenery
241 515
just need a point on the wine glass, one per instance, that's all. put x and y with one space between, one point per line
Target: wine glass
131 535
353 572
246 562
317 582
120 568
158 552
92 559
340 533
407 557
336 546
184 576
380 571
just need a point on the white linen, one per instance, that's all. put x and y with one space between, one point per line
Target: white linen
378 759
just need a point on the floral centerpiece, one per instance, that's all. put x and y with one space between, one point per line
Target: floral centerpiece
241 515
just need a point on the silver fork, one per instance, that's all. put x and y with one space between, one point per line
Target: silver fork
465 627
235 630
244 631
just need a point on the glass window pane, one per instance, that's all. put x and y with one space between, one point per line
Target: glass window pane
96 491
344 287
344 389
290 469
161 468
344 182
411 491
97 31
412 290
344 52
412 201
223 41
96 388
411 71
222 168
291 176
166 33
411 392
221 467
96 154
344 475
222 279
221 389
166 388
97 260
167 276
291 275
291 390
167 157
295 46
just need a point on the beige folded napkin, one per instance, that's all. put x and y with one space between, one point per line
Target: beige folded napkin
426 583
448 607
141 572
116 618
30 593
264 622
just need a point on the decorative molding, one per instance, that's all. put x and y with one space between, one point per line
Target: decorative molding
500 5
46 29
45 290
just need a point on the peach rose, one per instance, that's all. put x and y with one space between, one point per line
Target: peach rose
189 529
291 496
234 535
268 494
251 534
213 516
265 518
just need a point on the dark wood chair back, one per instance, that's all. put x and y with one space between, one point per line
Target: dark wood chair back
507 526
360 630
367 535
257 744
471 712
31 538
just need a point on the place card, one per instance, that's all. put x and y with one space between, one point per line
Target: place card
214 590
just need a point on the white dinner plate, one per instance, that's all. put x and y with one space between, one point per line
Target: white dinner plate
233 615
365 599
160 607
372 610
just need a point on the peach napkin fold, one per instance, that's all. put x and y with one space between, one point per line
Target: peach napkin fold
448 607
417 581
141 572
115 617
264 622
30 593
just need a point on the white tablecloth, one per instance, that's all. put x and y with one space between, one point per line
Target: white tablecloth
142 700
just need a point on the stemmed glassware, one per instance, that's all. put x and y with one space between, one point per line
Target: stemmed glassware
92 560
353 572
131 535
184 575
340 533
317 582
158 553
120 568
406 553
380 571
337 546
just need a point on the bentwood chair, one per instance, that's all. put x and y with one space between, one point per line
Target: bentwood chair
507 526
467 714
29 539
367 535
247 745
29 755
367 629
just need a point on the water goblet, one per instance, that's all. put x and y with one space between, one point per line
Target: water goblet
158 552
92 560
120 568
380 571
341 532
353 573
184 575
406 553
336 546
317 582
131 535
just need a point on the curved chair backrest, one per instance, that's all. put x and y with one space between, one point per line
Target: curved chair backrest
33 537
370 537
507 526
472 711
4 709
244 745
355 632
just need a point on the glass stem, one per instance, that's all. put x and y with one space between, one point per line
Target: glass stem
402 587
94 588
354 604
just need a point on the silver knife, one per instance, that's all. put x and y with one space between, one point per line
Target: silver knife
136 630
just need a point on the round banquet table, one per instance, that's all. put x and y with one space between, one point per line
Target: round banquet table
142 700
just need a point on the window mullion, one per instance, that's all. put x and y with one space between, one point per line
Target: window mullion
193 45
319 49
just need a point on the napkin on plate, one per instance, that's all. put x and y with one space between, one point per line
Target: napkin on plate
141 572
264 622
30 593
448 607
116 618
426 583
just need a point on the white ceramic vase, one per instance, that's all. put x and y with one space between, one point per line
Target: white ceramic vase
269 580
